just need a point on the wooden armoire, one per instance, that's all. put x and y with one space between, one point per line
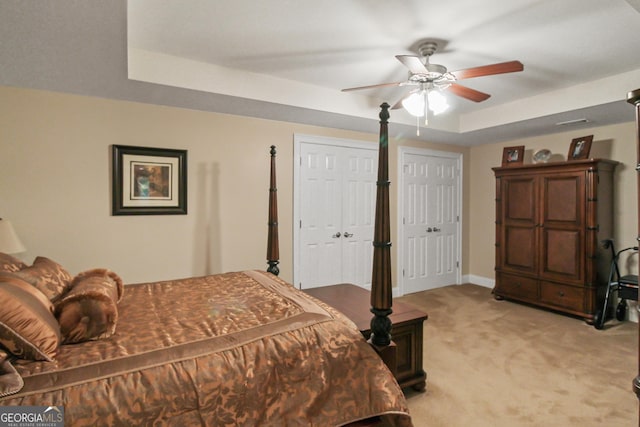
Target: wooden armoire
550 221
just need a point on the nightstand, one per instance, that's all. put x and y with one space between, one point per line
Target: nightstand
406 331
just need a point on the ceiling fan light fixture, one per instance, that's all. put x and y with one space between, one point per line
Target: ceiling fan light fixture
435 71
414 103
432 99
437 102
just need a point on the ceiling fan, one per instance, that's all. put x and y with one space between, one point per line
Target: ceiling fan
429 76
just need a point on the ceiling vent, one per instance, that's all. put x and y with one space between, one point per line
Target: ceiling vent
573 122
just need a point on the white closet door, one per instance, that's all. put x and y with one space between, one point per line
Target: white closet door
358 214
320 216
430 222
336 201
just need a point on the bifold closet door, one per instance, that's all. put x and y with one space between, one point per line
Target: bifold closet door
337 201
430 221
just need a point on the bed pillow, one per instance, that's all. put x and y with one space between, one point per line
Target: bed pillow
89 311
10 263
48 276
28 328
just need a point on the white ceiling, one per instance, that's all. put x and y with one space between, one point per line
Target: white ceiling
577 53
288 59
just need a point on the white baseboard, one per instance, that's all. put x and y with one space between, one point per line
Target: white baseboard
632 311
479 280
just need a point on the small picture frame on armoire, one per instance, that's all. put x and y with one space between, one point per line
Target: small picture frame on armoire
580 147
512 156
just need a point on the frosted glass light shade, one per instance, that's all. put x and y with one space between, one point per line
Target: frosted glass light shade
437 102
414 103
9 241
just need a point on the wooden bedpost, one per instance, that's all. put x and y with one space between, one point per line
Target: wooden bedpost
273 252
381 292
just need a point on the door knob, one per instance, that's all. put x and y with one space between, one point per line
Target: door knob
335 236
347 234
429 230
436 229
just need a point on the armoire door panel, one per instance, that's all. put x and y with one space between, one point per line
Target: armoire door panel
519 248
562 251
519 197
563 199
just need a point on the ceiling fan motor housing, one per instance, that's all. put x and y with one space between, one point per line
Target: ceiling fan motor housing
427 48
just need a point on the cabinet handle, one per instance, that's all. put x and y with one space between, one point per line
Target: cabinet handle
436 229
561 293
347 234
335 236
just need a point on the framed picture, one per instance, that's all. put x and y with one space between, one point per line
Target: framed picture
148 181
580 148
512 156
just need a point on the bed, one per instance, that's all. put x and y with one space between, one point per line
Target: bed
240 348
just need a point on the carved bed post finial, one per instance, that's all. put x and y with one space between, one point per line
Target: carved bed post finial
381 293
273 252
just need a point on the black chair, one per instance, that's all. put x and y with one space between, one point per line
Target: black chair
627 287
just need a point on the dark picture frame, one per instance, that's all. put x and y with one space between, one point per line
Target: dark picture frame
148 181
512 156
580 148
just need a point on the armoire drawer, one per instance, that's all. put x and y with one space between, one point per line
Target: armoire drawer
517 286
570 297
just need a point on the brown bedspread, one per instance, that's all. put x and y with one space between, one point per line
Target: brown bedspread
233 349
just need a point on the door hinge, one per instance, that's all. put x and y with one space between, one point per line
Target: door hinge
300 223
403 272
457 264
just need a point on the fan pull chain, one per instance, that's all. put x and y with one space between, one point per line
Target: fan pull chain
426 108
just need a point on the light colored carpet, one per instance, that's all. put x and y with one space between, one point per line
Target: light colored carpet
499 363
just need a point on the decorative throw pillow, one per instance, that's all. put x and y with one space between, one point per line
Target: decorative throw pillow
88 311
28 328
48 276
10 263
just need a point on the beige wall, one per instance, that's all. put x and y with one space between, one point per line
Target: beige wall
55 185
615 142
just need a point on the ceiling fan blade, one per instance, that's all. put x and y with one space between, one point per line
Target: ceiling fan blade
372 86
468 93
413 63
399 103
488 70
